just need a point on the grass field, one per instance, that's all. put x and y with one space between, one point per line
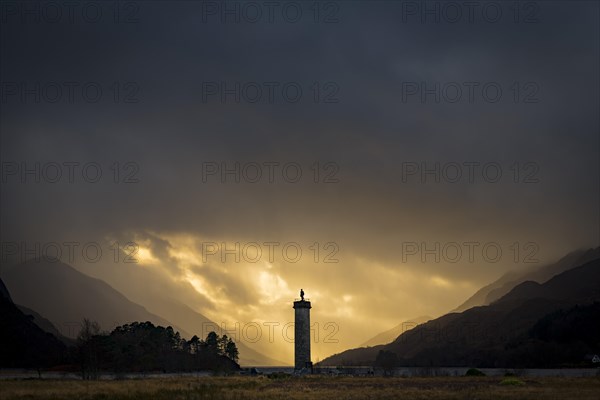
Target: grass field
316 387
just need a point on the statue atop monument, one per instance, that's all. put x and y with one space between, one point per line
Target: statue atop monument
302 294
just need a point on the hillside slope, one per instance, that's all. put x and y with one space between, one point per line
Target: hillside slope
391 334
24 344
508 281
497 335
65 296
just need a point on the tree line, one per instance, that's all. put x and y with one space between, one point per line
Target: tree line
143 347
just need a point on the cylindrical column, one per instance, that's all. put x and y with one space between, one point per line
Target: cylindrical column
302 335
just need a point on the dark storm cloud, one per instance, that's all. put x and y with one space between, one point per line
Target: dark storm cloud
369 133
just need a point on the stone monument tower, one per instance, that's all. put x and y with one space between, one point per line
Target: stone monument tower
302 334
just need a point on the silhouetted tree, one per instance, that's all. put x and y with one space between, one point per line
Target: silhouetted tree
194 344
143 347
87 346
212 342
222 344
231 350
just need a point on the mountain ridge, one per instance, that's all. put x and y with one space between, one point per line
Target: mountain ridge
491 335
391 334
498 288
24 343
58 290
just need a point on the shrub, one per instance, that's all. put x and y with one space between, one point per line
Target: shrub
474 372
511 381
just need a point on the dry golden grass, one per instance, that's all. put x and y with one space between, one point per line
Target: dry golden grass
315 387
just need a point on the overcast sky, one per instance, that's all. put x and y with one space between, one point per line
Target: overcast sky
419 134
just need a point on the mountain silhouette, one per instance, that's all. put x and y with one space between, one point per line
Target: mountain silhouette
391 334
65 296
499 334
4 294
495 290
45 325
24 344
